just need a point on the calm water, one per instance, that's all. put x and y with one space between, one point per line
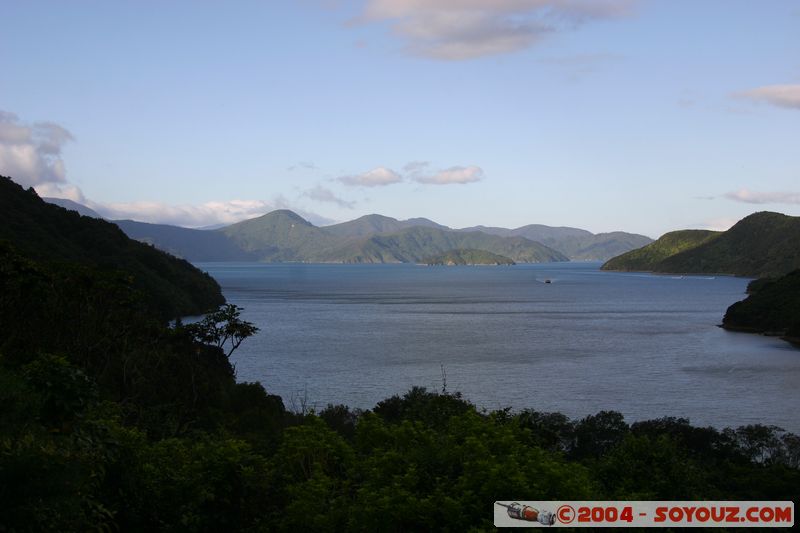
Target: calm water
645 345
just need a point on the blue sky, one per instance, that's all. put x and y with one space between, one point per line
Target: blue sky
643 116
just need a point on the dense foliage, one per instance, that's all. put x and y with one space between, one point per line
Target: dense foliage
50 233
761 245
772 307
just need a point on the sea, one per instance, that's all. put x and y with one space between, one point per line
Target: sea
554 337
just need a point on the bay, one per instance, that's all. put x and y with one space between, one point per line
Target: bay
645 345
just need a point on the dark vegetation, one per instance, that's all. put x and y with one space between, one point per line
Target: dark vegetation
773 307
51 234
111 419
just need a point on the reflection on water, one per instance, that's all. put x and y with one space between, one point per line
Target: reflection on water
645 345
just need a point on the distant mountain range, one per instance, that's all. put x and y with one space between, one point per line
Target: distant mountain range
761 245
285 236
577 244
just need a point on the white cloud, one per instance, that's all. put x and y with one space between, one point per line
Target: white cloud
779 95
321 194
453 175
192 216
209 214
377 177
31 153
465 29
754 197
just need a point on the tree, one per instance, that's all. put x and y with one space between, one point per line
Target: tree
223 327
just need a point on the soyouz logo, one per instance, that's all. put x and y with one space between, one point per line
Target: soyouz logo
644 514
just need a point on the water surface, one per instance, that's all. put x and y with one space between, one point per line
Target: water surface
645 345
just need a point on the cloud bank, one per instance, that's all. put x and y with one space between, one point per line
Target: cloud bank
754 197
31 153
787 96
465 29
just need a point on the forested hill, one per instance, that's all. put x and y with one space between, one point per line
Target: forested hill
46 232
773 307
763 244
648 258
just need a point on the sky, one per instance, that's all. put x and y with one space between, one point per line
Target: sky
636 115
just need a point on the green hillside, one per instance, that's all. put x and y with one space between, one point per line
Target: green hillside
281 236
467 257
761 245
370 225
49 233
772 307
648 258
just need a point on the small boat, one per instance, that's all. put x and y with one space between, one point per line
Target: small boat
548 281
